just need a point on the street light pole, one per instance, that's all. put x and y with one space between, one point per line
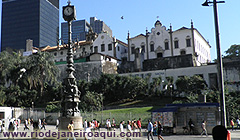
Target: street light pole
219 62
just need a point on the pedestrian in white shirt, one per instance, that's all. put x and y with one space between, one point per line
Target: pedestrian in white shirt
129 129
121 126
150 130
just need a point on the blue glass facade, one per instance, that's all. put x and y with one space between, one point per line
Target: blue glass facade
99 26
29 19
81 27
79 30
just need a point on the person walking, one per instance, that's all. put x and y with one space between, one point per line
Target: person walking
26 125
238 123
155 128
71 128
150 129
11 129
204 130
113 123
108 123
129 129
85 125
39 123
57 123
191 126
43 124
139 124
159 131
232 124
121 126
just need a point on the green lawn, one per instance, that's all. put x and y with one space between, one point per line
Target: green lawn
133 110
129 110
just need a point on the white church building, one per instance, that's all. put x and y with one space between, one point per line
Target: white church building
163 42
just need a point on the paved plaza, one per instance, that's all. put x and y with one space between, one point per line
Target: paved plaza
235 135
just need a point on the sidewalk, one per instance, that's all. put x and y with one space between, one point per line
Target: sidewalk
235 135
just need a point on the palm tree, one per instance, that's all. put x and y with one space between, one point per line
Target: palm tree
156 84
40 69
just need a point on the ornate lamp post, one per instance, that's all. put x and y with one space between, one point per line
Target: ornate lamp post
219 62
71 94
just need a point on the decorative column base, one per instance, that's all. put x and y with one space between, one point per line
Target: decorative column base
64 121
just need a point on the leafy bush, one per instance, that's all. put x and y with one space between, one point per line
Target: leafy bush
52 108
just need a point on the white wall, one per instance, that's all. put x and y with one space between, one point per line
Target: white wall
202 48
158 41
201 45
7 112
175 73
104 38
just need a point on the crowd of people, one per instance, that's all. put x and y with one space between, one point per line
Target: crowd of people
153 129
233 124
130 126
111 125
14 124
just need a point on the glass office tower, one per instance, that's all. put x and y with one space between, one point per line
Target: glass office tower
29 19
79 30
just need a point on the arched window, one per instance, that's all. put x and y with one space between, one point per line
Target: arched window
151 46
166 44
176 45
143 46
132 49
188 41
110 47
102 47
96 49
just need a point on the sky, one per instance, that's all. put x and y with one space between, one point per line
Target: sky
141 14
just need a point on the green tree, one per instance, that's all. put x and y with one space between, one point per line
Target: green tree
91 101
52 108
191 85
155 85
170 85
115 87
40 69
232 104
10 65
233 51
2 96
17 97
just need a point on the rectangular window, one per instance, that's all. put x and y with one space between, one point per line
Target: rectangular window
96 49
143 48
176 44
118 48
166 46
109 47
102 47
188 42
133 50
151 47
